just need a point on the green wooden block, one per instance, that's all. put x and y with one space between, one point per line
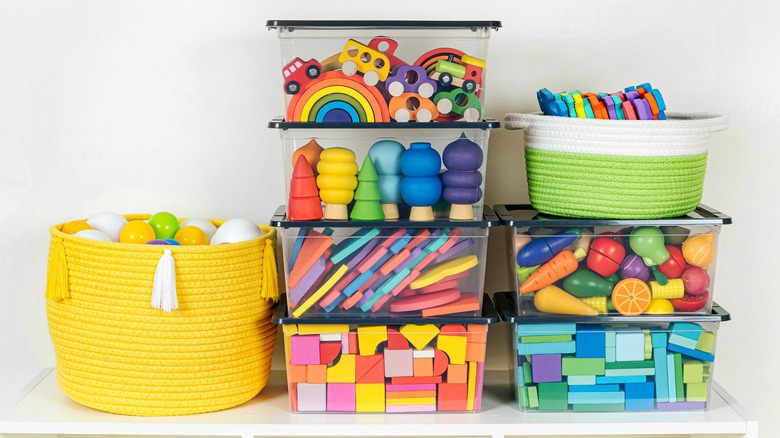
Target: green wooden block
527 375
609 353
574 366
693 371
678 376
648 345
706 342
707 370
553 396
522 397
683 341
533 397
548 338
630 364
610 338
599 407
696 392
581 380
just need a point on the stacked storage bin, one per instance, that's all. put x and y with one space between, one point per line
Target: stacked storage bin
612 314
385 309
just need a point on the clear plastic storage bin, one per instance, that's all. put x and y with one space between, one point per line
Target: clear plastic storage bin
388 365
382 269
592 267
382 71
461 170
611 363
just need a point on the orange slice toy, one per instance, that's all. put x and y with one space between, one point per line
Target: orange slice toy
631 296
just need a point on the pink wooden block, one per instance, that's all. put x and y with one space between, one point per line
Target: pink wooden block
345 343
399 363
478 392
381 302
411 408
305 349
311 397
390 240
415 387
341 397
371 259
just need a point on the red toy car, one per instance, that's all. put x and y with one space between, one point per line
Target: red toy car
296 73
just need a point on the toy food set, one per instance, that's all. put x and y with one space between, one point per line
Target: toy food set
615 169
611 363
383 269
642 102
374 173
148 319
590 267
383 71
392 365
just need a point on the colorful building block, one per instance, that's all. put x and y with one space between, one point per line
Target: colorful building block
591 341
342 371
546 329
696 354
452 396
423 366
313 247
316 373
370 369
475 351
369 337
573 366
693 371
309 279
661 375
457 373
329 351
296 373
553 396
476 333
319 293
305 349
547 348
629 345
706 342
546 368
454 346
678 376
370 397
640 396
686 329
425 352
419 335
471 386
596 397
671 377
311 397
683 341
396 341
581 380
658 337
399 363
545 339
696 392
341 397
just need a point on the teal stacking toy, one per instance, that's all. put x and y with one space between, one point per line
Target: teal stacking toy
386 156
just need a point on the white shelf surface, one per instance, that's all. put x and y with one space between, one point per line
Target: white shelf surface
43 409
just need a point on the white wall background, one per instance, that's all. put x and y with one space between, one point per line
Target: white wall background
146 106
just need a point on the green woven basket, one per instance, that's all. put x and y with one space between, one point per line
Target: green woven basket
627 169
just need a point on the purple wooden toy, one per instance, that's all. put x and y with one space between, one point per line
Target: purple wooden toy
462 180
410 79
634 267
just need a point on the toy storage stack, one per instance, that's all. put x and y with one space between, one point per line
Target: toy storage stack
385 231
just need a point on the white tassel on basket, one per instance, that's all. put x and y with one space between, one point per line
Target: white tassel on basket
164 289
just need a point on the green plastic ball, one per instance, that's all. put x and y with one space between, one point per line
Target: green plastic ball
165 225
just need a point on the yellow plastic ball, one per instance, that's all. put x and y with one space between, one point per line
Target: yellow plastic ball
74 227
660 306
136 232
191 235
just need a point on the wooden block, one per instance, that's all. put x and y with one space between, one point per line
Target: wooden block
471 386
411 387
553 396
396 341
591 341
574 366
466 303
331 337
425 352
304 349
452 397
410 394
682 341
420 401
696 354
678 375
693 371
477 333
341 397
671 378
319 293
423 367
311 397
415 380
547 348
440 271
658 337
369 337
399 363
370 397
318 329
296 373
544 339
329 351
424 301
696 392
454 346
687 329
316 373
342 371
581 380
440 362
457 373
313 248
546 368
629 346
475 351
706 342
419 335
533 397
605 380
370 369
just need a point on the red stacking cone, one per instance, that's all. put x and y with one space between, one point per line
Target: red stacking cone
304 203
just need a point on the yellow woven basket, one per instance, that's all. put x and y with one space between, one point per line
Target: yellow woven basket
117 353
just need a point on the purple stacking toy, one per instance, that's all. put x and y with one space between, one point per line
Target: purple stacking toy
462 180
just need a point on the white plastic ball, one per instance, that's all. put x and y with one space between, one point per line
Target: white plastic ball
93 235
236 230
108 222
203 224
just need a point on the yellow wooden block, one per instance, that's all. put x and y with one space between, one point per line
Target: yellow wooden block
369 338
419 335
291 329
320 329
472 386
343 371
370 397
454 346
411 401
435 273
300 310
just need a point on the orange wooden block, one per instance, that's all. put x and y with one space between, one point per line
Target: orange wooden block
396 341
415 380
370 369
314 246
293 391
477 333
353 343
466 303
394 261
440 362
452 397
475 352
457 373
351 301
329 351
316 373
410 394
423 367
296 373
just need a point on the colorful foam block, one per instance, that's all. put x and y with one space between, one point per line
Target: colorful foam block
305 349
369 337
574 366
370 369
553 396
546 329
706 342
629 346
693 371
370 397
311 397
581 380
546 368
316 373
547 348
399 363
341 397
454 347
591 341
342 371
639 396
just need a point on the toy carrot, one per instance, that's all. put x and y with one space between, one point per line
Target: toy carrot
552 299
563 264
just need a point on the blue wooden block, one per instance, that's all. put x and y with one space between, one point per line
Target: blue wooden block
332 306
692 353
353 286
629 345
671 379
546 329
682 341
661 375
640 396
687 329
547 348
603 380
595 388
591 341
353 243
399 244
299 239
596 397
658 337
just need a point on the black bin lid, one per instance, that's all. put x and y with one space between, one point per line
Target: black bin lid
489 219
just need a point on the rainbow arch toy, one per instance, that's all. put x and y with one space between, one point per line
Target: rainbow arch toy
335 97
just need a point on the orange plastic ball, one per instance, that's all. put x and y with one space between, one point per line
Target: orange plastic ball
191 235
136 232
74 227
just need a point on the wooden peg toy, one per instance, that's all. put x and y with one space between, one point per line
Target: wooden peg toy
367 195
462 180
386 156
337 181
304 202
421 186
